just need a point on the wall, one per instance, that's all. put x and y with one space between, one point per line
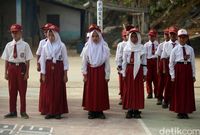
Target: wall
70 22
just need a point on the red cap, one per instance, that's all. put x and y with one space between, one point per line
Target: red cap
173 29
46 26
129 27
166 31
152 32
54 28
134 30
15 27
94 27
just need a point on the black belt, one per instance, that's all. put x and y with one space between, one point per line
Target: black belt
186 62
16 64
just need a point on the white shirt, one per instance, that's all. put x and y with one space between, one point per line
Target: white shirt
148 48
23 52
85 62
60 56
177 56
41 44
139 55
160 48
119 53
167 49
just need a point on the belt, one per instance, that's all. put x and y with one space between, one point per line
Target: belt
186 62
16 64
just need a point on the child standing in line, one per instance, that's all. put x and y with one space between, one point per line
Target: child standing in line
182 71
42 95
54 67
119 59
134 72
151 47
96 73
17 55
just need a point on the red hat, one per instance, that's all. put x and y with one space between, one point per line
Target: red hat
46 26
152 32
134 30
173 29
15 27
129 27
166 31
94 27
54 28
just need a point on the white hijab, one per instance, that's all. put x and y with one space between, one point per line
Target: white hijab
55 47
138 52
97 53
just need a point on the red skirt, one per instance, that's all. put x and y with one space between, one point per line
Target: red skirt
42 98
55 88
133 97
95 95
183 100
161 80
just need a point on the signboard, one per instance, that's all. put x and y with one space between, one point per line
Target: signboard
100 14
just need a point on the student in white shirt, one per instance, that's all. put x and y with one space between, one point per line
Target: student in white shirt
151 47
17 55
54 68
161 74
167 49
182 72
134 72
119 59
96 73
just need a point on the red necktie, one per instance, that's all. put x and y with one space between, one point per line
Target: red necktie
132 58
184 53
15 51
153 49
173 44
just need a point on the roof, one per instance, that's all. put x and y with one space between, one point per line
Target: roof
59 3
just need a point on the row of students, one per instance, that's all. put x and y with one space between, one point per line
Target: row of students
136 65
161 65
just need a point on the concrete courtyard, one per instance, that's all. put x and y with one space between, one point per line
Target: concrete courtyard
155 120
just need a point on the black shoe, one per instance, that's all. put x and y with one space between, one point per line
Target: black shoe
120 102
24 115
185 116
101 115
159 102
92 115
58 116
164 105
180 116
149 96
136 114
11 115
49 116
129 114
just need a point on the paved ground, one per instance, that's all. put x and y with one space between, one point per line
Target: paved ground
155 121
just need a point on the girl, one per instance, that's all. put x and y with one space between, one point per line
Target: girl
182 71
96 73
42 95
134 72
54 67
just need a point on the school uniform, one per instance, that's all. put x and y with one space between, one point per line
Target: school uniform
42 94
182 70
119 60
161 75
17 54
96 68
54 62
167 49
151 48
